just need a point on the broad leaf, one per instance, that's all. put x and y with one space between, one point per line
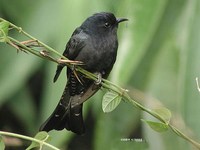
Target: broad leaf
164 113
110 101
2 145
157 126
43 136
3 31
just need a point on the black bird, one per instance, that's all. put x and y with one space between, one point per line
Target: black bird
95 44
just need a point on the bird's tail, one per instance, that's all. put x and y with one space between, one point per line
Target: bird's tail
65 116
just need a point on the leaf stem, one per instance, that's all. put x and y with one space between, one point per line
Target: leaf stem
181 134
27 138
14 41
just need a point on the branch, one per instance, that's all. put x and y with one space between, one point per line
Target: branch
40 142
32 46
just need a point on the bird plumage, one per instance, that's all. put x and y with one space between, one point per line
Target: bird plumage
95 44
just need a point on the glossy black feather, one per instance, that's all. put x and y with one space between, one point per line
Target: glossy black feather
95 44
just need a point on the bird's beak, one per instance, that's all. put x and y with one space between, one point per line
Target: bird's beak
121 20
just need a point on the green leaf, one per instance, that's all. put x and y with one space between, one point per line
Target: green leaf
164 113
157 126
42 136
2 145
3 31
110 101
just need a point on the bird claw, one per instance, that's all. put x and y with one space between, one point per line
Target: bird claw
99 79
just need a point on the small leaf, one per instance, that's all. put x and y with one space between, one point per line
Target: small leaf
164 113
110 101
157 126
2 145
42 136
4 25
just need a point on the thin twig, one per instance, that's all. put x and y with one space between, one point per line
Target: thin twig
28 138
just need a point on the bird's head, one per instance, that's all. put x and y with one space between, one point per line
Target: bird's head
102 23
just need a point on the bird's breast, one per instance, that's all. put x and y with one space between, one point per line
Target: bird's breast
99 54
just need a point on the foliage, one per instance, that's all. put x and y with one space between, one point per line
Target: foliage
158 54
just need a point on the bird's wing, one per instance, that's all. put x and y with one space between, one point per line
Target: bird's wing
73 47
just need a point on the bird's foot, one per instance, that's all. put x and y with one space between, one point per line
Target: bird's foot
99 79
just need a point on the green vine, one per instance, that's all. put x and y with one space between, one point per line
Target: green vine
42 50
40 142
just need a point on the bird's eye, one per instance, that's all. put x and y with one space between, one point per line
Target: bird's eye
107 25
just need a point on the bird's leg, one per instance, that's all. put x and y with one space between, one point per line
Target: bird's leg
99 78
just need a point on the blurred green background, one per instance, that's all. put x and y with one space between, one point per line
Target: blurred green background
159 54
